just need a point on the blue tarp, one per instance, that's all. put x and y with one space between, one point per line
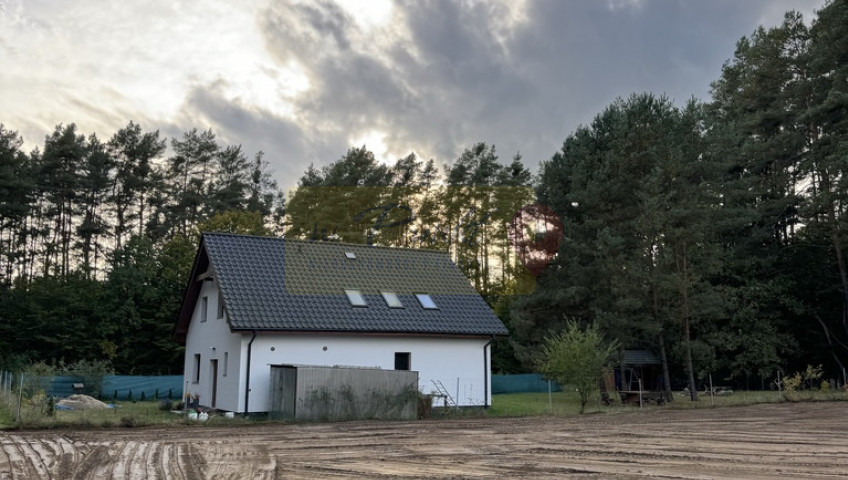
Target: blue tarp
120 387
522 383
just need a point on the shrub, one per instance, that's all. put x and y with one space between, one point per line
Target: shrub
91 372
791 384
577 357
801 381
811 375
128 422
37 378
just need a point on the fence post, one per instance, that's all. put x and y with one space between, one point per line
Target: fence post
640 393
711 388
20 398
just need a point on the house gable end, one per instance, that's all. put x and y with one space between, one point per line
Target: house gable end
192 291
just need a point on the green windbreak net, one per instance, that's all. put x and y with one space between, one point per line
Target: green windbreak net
522 383
115 387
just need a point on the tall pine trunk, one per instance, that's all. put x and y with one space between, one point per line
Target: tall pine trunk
669 397
683 271
655 310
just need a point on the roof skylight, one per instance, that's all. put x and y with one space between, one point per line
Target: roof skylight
350 255
356 299
426 302
392 300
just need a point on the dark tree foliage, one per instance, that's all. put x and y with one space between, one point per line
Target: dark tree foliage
96 240
714 233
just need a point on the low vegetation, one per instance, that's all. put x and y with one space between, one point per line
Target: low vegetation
38 411
149 413
124 415
568 402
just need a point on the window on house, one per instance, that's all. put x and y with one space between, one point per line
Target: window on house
356 299
426 301
220 306
196 368
392 300
226 363
402 361
204 308
350 255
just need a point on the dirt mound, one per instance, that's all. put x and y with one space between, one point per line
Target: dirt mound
82 402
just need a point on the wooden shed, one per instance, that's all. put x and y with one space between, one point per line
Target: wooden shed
319 393
639 376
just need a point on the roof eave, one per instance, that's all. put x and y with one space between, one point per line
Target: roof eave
378 333
191 292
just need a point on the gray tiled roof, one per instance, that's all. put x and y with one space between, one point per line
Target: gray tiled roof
292 285
640 357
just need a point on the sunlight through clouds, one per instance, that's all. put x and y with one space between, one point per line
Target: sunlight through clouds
304 80
376 143
368 14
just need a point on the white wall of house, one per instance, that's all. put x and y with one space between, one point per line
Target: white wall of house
458 363
213 341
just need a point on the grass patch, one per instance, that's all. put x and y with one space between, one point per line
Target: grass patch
817 396
737 398
532 404
568 403
6 417
126 415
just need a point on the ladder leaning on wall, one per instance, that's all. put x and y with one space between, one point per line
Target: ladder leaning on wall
443 392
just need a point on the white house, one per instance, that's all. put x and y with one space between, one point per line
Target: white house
253 302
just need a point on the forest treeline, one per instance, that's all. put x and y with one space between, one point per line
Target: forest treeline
712 232
97 237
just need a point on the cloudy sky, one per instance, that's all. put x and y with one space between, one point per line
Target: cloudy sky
305 80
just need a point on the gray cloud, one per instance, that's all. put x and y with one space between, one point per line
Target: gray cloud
459 77
441 76
287 146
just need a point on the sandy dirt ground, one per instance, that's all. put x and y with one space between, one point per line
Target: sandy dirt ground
808 440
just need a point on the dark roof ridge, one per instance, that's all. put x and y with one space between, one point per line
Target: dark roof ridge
300 240
229 234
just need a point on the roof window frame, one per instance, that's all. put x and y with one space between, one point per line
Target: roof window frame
352 294
426 301
392 299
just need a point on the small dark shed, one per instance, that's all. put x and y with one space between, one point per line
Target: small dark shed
636 365
318 393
